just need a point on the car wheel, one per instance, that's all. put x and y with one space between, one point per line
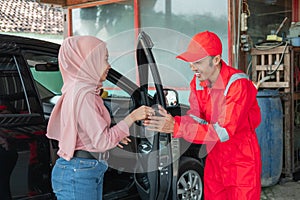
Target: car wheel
190 179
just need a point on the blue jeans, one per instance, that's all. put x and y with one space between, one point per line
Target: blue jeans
78 179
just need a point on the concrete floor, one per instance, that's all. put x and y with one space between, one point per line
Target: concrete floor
282 191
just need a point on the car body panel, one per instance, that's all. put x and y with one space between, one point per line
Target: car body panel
25 148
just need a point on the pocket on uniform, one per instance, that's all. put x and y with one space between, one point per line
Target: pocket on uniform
240 170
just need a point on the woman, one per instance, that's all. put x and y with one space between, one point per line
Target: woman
81 123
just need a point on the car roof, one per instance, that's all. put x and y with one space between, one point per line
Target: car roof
15 42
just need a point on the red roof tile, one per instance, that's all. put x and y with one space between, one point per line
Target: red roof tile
29 16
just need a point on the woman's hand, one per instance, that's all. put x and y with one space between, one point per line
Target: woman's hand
140 113
124 141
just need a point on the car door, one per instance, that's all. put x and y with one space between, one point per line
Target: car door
154 170
148 156
24 149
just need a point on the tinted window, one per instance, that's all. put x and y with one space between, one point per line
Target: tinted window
17 93
51 80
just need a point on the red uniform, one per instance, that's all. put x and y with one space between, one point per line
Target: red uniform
224 117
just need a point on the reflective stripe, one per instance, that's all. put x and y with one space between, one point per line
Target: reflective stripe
233 78
199 120
221 132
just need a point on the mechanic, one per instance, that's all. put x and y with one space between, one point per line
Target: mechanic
223 115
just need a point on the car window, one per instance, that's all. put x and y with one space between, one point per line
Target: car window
113 90
51 80
17 95
43 91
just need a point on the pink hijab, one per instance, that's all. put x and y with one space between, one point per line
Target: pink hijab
82 62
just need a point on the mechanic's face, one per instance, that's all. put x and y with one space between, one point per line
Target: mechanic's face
107 67
207 68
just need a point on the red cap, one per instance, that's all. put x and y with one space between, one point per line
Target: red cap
202 45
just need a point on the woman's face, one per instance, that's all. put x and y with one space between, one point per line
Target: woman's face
107 67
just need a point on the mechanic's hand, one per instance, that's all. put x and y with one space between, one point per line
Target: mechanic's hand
140 113
124 141
164 123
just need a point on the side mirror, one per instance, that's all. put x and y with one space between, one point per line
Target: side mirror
172 99
47 67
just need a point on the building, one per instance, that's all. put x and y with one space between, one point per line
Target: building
240 24
32 19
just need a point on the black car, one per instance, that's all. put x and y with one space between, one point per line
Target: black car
152 166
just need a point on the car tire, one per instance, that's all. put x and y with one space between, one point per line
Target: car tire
190 179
